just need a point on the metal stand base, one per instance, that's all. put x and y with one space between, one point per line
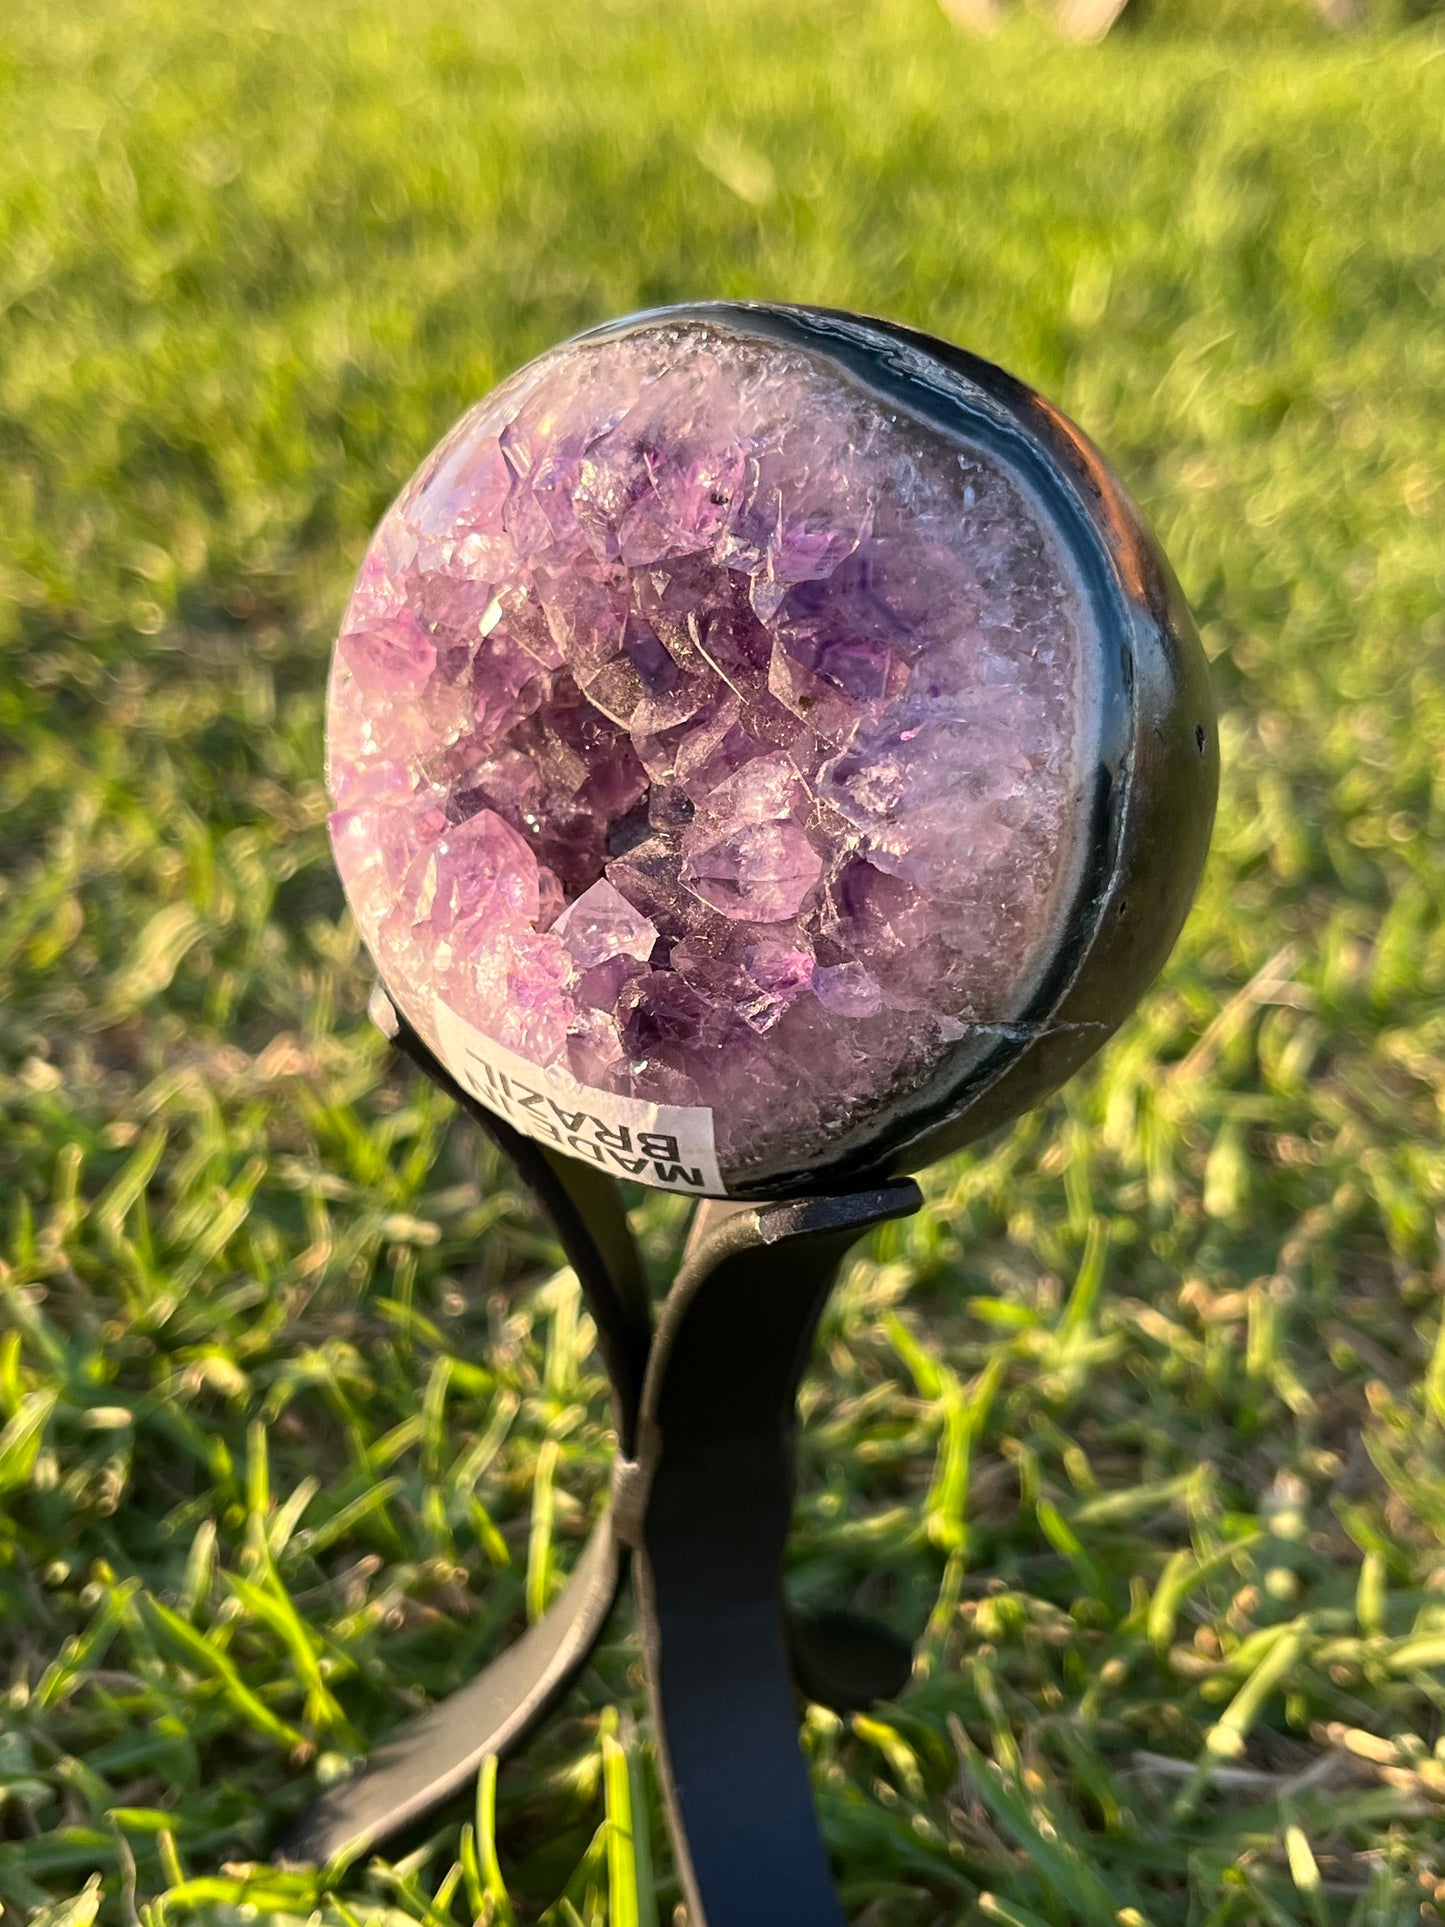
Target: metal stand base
701 1503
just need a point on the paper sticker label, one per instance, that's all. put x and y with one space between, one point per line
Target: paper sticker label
667 1145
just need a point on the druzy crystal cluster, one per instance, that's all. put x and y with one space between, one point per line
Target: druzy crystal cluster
705 725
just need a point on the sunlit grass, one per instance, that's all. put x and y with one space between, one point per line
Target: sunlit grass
1142 1421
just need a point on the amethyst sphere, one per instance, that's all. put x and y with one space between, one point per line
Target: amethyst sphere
734 720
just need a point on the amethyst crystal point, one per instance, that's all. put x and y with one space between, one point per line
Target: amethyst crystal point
714 726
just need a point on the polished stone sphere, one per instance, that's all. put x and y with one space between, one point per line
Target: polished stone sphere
713 731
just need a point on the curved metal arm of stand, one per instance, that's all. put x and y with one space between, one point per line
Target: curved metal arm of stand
434 1756
717 1431
702 1496
587 1214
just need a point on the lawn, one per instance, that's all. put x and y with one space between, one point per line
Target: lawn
1144 1418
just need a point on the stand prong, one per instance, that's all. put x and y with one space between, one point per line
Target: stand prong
434 1756
718 1422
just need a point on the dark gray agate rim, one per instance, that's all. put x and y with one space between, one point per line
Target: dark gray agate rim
1156 771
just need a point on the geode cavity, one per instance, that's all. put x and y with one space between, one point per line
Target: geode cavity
706 725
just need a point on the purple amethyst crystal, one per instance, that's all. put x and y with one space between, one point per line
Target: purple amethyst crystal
707 731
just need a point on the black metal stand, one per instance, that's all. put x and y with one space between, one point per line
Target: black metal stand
702 1497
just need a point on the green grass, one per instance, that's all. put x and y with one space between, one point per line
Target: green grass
1144 1419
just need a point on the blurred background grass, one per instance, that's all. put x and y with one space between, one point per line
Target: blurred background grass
1144 1418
